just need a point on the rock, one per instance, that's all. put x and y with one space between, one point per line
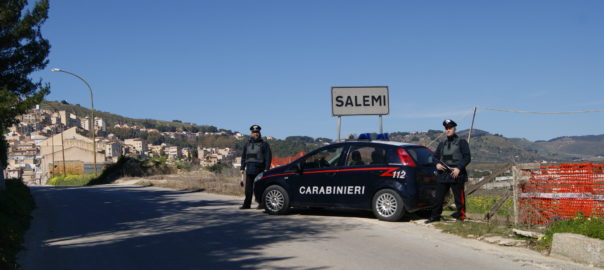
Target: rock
528 233
578 248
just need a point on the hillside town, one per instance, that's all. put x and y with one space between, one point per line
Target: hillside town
49 142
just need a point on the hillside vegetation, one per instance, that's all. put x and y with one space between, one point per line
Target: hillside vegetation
485 147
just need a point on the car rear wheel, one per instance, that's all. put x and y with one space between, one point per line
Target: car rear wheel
388 205
276 200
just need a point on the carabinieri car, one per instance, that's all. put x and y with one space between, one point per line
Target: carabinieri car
389 178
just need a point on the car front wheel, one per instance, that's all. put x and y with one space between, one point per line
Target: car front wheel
388 205
276 200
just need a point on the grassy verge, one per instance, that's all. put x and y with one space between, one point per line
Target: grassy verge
483 203
16 205
589 226
70 180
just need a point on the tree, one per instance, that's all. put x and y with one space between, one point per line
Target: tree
23 50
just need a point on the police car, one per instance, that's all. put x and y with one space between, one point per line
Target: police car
389 178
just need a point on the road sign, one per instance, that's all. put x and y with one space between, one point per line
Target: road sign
360 100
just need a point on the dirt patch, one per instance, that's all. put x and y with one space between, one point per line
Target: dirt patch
201 180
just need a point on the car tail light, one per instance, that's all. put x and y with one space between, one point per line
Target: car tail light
405 158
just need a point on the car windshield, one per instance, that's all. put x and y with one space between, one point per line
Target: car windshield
323 159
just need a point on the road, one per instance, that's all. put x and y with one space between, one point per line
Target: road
127 227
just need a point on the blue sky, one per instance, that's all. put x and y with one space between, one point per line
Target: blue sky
236 63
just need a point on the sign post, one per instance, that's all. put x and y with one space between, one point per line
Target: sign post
359 100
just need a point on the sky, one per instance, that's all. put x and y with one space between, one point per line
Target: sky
232 64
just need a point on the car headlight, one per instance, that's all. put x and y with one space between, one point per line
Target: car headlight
259 176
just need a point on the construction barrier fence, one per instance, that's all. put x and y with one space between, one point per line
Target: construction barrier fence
280 161
561 192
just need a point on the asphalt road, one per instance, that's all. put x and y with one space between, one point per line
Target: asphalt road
126 227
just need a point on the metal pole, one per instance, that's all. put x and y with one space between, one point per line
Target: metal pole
381 130
339 126
472 126
63 152
91 113
52 143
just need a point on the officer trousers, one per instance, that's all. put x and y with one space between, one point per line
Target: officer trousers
249 189
458 194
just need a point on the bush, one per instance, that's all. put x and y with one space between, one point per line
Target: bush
216 168
589 226
70 180
16 205
185 166
132 167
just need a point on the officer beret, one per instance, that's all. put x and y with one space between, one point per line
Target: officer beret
449 123
255 128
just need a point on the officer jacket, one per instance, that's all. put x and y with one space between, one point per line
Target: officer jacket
256 156
455 152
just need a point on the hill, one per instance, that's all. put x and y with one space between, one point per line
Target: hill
112 119
485 147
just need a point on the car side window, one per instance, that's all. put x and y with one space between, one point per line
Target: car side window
325 158
366 155
422 156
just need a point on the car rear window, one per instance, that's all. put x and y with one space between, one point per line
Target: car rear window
421 155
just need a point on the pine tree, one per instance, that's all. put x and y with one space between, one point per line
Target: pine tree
23 50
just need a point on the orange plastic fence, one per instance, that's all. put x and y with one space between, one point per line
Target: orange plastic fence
561 192
280 161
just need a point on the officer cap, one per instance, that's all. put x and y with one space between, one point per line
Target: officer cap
255 128
449 123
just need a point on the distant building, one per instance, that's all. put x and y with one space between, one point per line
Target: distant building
99 124
73 146
237 162
138 144
22 154
155 150
113 150
172 152
66 118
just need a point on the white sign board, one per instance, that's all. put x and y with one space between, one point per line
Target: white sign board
363 100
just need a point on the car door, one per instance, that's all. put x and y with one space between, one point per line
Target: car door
364 163
312 186
425 175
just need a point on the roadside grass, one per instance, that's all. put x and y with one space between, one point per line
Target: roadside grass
589 226
16 205
477 206
226 182
501 226
70 180
483 203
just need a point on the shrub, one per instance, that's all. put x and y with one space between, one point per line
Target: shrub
70 180
16 205
588 226
216 168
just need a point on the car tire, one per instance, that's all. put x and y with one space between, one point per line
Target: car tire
276 200
388 205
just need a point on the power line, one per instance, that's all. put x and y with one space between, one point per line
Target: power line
517 111
442 134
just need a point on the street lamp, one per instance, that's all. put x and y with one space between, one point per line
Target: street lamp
91 112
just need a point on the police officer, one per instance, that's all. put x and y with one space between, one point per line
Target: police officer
454 152
256 158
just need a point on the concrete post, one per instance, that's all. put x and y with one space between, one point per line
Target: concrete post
515 176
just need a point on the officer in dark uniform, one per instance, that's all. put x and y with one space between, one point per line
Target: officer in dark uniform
256 158
454 152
